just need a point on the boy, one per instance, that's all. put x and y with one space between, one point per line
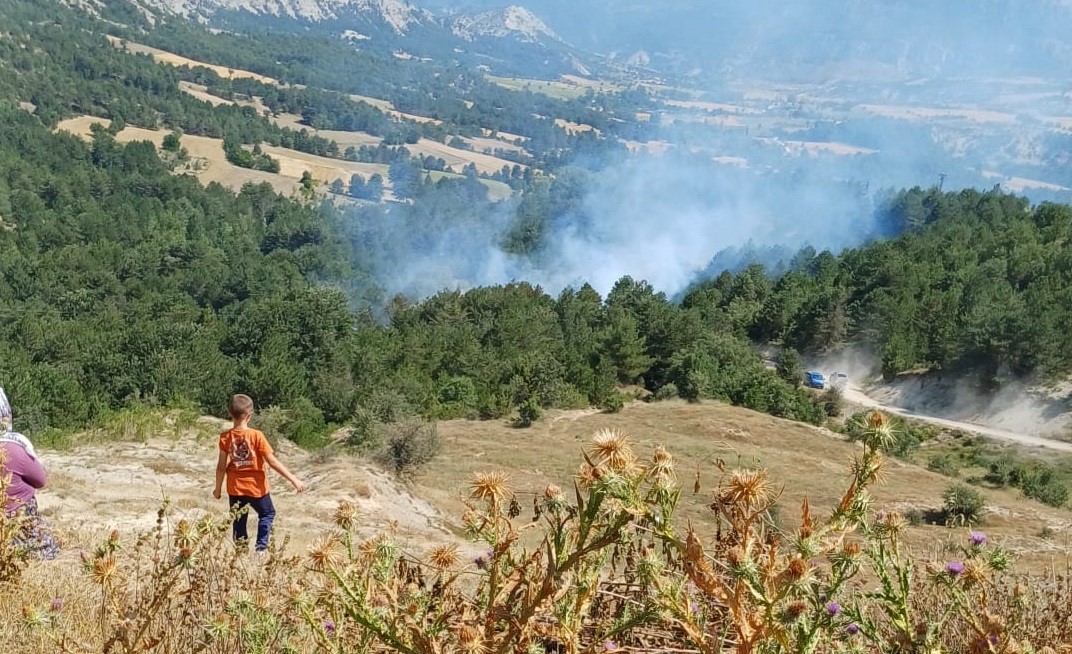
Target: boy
244 451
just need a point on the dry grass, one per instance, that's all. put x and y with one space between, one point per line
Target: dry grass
177 60
210 164
807 461
930 113
556 90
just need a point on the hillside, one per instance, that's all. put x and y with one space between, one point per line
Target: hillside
98 486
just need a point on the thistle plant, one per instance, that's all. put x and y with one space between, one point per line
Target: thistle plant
514 596
186 589
762 590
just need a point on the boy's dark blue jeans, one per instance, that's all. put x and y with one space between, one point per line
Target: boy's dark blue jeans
265 515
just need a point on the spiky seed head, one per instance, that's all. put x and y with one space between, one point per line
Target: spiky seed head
324 555
797 568
795 610
891 524
748 487
345 515
185 534
470 640
662 464
104 569
588 475
444 556
975 573
612 448
851 548
552 492
877 420
880 435
490 486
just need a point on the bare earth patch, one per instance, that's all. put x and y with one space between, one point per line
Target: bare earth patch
96 488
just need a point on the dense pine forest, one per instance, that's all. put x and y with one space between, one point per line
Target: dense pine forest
125 284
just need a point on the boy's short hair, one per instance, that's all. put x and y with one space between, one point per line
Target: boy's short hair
239 406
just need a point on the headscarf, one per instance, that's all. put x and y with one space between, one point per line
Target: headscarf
6 424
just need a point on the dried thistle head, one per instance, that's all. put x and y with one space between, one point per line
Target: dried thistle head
890 524
490 486
185 534
552 492
797 568
589 475
662 464
325 553
104 568
470 640
612 448
345 515
749 488
877 420
444 556
879 434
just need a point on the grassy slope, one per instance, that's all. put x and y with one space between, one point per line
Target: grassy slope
808 461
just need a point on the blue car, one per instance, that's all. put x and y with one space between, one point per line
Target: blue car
814 379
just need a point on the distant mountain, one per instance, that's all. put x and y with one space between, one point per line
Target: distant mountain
513 21
397 14
509 40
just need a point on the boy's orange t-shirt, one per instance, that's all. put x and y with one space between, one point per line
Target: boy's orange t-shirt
246 469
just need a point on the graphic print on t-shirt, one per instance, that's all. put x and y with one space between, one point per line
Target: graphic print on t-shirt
241 456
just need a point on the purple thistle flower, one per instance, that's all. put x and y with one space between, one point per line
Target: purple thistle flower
977 538
954 568
481 562
852 629
329 627
57 604
833 608
609 646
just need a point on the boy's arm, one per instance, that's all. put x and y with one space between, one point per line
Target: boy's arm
282 469
221 471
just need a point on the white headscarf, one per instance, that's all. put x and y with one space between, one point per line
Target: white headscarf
6 424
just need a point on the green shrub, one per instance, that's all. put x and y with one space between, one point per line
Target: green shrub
613 403
301 422
832 402
666 392
410 445
528 412
367 433
963 505
943 464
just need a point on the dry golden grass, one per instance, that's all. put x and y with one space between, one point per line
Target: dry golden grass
456 158
177 60
210 164
808 462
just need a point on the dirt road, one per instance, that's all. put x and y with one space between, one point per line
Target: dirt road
855 395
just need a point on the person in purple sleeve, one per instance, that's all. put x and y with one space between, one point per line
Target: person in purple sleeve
25 475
